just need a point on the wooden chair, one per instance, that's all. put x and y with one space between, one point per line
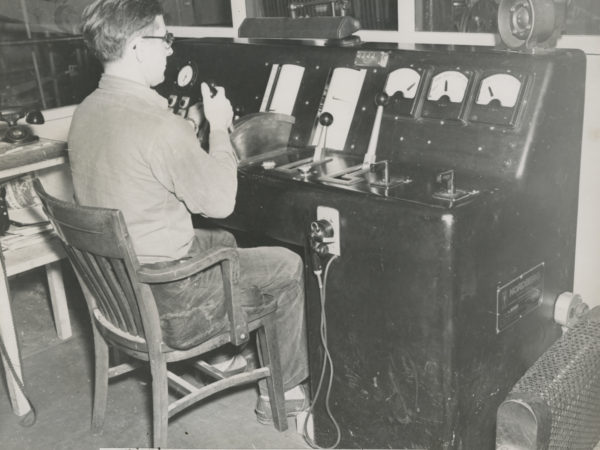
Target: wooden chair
124 314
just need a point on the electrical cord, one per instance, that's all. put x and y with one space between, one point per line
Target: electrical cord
322 282
29 418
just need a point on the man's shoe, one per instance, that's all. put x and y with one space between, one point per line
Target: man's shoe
293 407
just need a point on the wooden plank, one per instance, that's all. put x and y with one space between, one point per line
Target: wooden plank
179 384
9 337
23 156
21 170
58 299
39 253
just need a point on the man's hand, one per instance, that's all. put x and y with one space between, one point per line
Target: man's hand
217 109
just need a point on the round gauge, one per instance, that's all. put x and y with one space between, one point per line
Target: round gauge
501 87
405 80
186 75
451 83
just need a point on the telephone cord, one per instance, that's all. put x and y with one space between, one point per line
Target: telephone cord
326 360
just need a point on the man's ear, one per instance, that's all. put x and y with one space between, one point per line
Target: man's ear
137 49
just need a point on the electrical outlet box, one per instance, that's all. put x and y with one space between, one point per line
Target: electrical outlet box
332 215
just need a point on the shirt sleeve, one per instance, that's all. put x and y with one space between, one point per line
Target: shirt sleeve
205 182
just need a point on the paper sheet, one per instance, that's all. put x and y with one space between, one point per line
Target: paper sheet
340 101
282 88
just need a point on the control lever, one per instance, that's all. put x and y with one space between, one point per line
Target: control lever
376 167
213 87
305 166
381 100
325 119
204 127
449 191
446 179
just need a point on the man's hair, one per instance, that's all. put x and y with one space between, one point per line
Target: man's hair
107 25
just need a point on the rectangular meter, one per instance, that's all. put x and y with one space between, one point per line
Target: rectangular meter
498 99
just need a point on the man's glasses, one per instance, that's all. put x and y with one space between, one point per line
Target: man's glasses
168 38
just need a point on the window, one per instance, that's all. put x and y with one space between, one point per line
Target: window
372 14
583 17
206 13
457 15
480 16
43 62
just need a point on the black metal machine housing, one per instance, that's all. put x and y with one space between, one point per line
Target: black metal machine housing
456 235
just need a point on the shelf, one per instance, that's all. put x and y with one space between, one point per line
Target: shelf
41 251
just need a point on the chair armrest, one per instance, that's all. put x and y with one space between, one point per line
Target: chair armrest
187 267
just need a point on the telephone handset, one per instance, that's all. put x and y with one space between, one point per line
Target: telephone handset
204 125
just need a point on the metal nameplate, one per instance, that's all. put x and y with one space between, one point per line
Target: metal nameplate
371 58
519 297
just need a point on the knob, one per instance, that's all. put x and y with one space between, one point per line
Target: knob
305 170
35 117
382 99
326 119
320 230
238 110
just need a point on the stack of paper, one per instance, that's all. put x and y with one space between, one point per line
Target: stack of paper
23 236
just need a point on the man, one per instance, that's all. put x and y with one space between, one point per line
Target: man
128 151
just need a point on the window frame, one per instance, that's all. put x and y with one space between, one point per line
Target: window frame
406 33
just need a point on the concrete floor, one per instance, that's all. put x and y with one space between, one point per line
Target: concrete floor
58 377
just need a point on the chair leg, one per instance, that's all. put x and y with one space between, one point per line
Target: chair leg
160 401
100 382
269 350
59 300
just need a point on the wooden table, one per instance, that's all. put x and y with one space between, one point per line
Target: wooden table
14 163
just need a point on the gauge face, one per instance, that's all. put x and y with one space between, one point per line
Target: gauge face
405 80
501 87
451 84
185 75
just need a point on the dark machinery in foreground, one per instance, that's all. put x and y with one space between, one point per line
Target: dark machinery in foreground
556 403
450 178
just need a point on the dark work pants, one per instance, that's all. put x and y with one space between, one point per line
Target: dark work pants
278 274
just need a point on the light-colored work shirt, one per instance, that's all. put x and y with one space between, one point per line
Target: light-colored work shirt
129 151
